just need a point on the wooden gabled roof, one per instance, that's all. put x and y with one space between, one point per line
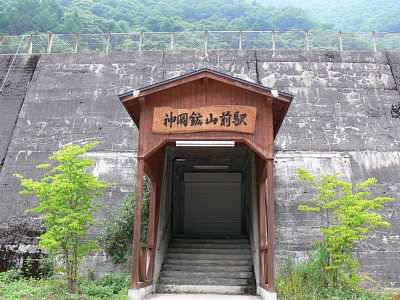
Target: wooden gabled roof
132 100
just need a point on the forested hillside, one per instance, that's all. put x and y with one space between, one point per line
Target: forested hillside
92 16
345 15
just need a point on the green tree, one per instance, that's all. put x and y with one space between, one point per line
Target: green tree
353 217
66 204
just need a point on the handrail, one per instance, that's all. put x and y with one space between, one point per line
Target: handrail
302 40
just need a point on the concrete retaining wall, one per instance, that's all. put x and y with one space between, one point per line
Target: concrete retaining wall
345 117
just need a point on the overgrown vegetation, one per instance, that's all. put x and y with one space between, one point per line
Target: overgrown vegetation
14 286
117 237
304 282
66 203
356 15
95 16
331 271
350 217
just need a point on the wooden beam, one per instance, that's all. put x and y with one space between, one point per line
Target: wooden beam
262 228
157 203
150 172
142 101
270 218
152 212
156 189
137 226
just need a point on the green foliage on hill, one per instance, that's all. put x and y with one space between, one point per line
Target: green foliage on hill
95 16
355 15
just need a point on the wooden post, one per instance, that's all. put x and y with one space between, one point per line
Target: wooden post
157 202
262 231
270 186
138 221
153 228
152 212
270 228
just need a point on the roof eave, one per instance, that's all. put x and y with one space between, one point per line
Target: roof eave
202 73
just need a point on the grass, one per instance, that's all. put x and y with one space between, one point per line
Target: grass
14 287
305 282
301 282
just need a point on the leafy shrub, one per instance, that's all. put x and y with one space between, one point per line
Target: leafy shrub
10 276
352 216
97 291
305 282
46 266
117 238
115 282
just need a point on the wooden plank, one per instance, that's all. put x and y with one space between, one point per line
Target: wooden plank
137 226
270 205
270 218
262 228
223 118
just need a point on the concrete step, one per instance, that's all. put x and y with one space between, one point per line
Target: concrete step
206 268
200 256
206 274
188 296
211 262
207 265
211 241
210 251
204 281
210 246
212 236
203 289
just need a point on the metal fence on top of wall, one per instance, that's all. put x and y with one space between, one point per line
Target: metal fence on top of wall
201 40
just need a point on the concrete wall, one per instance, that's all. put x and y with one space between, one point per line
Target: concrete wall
344 117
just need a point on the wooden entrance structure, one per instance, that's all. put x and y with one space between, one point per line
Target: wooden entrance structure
204 105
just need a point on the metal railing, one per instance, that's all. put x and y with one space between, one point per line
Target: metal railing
201 40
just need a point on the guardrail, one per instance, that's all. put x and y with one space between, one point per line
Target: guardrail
201 40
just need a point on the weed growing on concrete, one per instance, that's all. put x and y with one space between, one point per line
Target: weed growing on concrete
351 216
304 282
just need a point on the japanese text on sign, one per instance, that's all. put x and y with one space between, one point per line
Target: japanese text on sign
208 118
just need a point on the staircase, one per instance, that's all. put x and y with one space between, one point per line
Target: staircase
208 265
